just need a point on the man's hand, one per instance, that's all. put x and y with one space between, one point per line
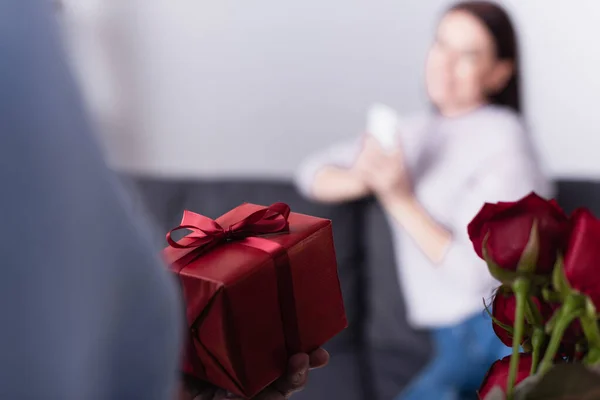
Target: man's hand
293 381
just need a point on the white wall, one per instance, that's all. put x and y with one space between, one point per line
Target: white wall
562 64
247 88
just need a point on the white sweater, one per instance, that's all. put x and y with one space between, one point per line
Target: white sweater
456 165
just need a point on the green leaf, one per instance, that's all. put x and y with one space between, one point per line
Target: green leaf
550 296
529 258
559 281
532 313
503 275
590 308
590 328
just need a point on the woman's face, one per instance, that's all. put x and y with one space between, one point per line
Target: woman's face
462 68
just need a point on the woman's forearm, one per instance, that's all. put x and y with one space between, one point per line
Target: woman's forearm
431 237
335 185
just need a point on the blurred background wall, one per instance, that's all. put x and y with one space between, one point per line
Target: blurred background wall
198 88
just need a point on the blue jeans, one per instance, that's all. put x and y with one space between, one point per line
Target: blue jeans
463 355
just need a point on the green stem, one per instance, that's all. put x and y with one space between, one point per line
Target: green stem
538 340
534 316
551 322
538 337
592 335
590 324
551 296
521 290
593 357
567 313
590 329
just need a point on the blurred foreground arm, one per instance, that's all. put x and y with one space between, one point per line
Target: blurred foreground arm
88 311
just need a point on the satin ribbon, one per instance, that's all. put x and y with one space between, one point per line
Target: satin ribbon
207 233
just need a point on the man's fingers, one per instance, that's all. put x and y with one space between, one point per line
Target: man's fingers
318 358
295 377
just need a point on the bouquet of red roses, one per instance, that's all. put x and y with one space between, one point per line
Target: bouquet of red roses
547 306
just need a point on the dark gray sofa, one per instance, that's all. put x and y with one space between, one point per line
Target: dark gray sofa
379 353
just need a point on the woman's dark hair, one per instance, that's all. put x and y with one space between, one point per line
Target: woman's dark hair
499 24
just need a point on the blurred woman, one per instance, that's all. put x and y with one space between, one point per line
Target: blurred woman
471 147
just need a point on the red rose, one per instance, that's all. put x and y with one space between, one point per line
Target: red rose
498 374
503 310
582 258
509 227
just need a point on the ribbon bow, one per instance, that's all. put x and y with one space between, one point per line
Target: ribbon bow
207 233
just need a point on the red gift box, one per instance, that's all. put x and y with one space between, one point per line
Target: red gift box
256 292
